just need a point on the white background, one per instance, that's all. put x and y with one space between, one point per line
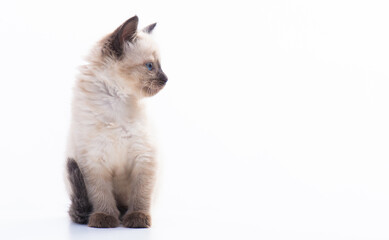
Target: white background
274 123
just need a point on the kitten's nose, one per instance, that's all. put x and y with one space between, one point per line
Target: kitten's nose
162 77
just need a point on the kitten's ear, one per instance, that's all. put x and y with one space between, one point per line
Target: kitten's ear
149 28
126 32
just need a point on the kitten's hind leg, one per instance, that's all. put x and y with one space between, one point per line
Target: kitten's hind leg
80 207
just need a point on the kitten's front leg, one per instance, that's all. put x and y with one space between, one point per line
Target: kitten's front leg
142 184
100 192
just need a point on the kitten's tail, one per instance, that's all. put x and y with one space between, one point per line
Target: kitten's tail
80 207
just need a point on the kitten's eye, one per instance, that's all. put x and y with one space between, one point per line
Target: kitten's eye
149 66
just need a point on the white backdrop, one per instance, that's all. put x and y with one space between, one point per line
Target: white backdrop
274 123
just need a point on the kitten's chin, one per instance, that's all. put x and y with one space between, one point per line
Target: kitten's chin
149 92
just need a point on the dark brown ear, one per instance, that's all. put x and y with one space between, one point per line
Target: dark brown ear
126 32
149 28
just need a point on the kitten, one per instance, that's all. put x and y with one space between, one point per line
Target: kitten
111 162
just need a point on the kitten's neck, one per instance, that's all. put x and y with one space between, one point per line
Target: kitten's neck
109 102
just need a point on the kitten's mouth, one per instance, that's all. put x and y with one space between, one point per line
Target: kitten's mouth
152 90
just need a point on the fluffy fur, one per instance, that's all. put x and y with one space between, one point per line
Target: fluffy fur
111 161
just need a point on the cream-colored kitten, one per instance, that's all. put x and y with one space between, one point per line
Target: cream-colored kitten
111 162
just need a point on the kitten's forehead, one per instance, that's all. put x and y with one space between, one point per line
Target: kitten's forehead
144 48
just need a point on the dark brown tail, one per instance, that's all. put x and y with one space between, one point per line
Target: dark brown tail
80 207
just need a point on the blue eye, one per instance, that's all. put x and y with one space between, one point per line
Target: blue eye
149 66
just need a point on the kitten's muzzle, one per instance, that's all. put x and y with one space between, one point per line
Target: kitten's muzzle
162 78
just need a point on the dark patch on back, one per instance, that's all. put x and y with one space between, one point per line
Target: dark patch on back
80 207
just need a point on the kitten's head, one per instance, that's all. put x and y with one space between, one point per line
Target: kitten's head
135 59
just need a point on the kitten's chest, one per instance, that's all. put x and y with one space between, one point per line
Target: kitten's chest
122 134
119 123
109 130
116 145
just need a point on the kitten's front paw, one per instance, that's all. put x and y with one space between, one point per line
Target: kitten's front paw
137 220
102 220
